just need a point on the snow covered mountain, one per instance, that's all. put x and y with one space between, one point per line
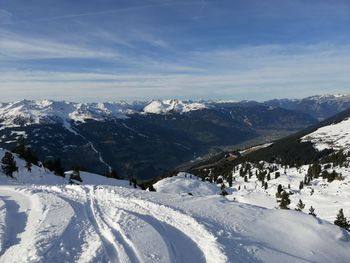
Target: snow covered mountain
335 136
320 107
38 111
47 220
166 106
149 137
47 111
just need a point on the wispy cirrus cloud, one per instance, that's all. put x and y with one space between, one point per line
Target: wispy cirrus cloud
249 72
17 47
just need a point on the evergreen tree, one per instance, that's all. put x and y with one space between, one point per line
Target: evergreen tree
151 188
342 221
285 201
229 180
26 153
277 174
312 211
300 206
301 185
265 185
76 174
279 189
114 174
54 166
28 166
8 164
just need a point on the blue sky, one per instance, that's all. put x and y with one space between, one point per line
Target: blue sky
106 50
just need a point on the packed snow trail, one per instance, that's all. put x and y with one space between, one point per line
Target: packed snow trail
71 223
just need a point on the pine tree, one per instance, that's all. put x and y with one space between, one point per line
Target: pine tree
312 211
229 180
342 221
301 185
113 174
265 185
285 201
277 174
8 164
28 166
151 188
279 189
300 206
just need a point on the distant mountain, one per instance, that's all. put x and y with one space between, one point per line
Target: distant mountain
305 147
320 107
141 139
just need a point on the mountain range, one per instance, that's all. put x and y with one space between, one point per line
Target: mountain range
146 139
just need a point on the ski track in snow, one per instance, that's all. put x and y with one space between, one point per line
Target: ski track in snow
71 223
98 226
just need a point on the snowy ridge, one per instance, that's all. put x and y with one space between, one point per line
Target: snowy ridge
335 136
28 112
166 106
329 97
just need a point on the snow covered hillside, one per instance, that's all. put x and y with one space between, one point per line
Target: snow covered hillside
325 197
44 219
112 224
335 136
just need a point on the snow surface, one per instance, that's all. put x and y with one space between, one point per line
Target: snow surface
326 197
166 106
335 136
185 183
44 219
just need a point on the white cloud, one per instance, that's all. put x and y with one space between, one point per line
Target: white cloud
251 72
21 48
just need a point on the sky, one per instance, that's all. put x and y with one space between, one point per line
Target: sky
109 50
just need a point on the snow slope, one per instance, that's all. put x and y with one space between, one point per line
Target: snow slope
44 219
113 224
326 197
335 136
185 183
